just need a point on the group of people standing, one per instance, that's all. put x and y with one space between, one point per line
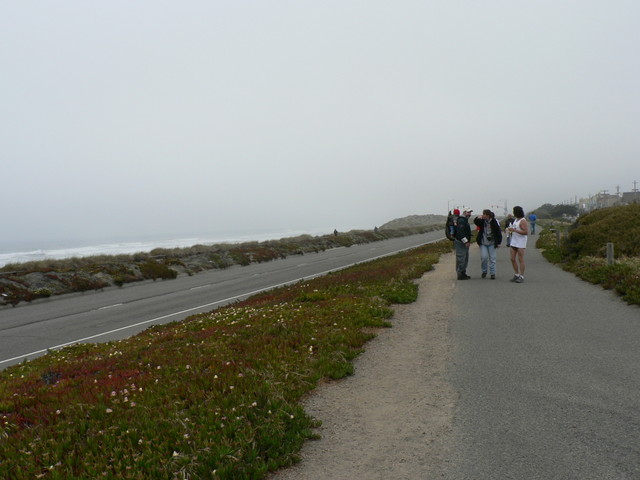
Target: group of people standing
489 239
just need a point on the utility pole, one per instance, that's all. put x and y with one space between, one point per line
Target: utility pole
506 211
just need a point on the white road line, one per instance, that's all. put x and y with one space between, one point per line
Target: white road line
247 294
110 306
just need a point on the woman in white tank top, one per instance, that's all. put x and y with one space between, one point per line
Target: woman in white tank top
519 231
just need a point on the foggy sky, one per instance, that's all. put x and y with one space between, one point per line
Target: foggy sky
161 117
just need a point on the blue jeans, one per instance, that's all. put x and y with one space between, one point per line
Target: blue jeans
488 256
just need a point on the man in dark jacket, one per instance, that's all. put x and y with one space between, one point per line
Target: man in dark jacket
461 244
489 238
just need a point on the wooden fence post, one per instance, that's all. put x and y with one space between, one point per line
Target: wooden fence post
610 259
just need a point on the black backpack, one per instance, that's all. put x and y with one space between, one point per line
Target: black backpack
450 227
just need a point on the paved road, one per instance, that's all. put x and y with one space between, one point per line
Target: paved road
30 329
548 373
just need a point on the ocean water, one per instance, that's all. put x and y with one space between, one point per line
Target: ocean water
20 252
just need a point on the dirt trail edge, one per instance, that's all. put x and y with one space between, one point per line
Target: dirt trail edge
391 419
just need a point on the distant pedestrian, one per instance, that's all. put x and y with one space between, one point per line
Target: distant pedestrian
519 230
461 243
489 238
532 222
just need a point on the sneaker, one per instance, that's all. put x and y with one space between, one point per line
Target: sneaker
520 279
463 277
484 274
493 277
515 277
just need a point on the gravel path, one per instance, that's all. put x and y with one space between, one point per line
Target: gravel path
391 419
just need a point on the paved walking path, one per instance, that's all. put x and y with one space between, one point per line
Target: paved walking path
488 379
548 373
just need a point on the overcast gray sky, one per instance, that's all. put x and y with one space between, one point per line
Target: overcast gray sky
164 117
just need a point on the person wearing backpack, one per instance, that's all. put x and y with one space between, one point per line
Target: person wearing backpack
461 243
451 224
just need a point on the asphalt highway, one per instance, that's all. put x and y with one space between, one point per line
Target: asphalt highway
548 377
30 329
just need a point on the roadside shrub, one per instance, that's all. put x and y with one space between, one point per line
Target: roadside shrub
43 292
218 261
344 240
591 233
81 283
154 270
240 257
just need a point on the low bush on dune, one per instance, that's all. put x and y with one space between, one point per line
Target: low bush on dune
214 396
583 249
591 233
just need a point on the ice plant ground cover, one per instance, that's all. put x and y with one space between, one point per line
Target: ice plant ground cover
214 396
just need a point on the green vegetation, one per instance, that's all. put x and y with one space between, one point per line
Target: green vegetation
583 250
548 211
215 396
19 284
153 270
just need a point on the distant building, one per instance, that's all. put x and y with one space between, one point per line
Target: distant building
586 204
630 197
604 200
